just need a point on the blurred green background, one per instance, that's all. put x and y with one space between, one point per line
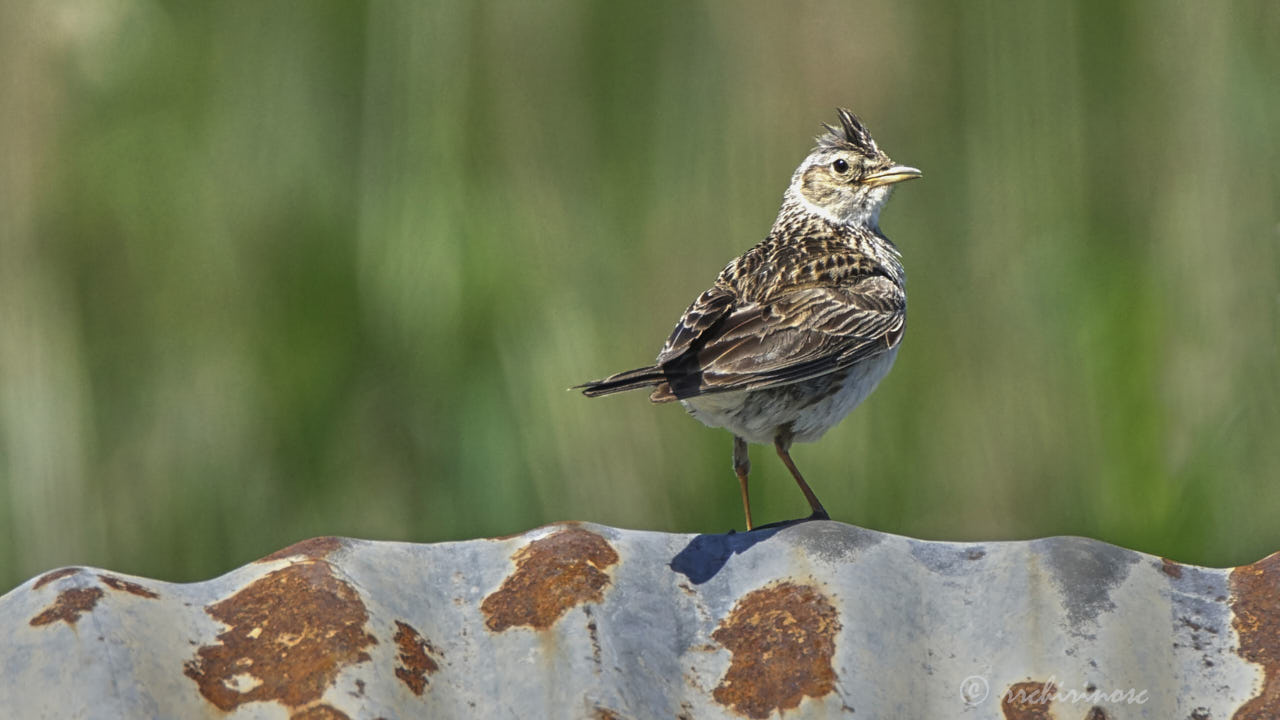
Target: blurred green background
277 270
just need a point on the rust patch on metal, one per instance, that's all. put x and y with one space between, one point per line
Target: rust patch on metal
593 632
606 714
552 575
55 575
1028 700
123 585
315 549
320 712
1097 713
415 658
782 638
68 606
1171 568
1255 604
289 634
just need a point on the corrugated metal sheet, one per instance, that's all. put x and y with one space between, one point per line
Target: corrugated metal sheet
815 620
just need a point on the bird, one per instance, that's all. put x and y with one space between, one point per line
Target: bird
798 330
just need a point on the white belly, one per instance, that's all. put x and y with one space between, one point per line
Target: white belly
809 408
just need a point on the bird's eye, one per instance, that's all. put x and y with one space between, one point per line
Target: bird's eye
840 166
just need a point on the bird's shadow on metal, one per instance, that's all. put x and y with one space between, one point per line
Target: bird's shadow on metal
703 557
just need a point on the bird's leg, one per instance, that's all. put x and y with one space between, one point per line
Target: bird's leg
742 466
782 443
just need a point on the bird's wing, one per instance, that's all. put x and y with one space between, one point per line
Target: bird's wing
710 308
795 335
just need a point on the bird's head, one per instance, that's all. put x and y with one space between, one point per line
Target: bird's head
846 178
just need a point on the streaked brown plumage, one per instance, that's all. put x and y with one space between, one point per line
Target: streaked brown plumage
799 329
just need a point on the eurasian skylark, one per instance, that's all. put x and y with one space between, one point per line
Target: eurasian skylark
799 329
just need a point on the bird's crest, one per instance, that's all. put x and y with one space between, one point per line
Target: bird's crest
851 135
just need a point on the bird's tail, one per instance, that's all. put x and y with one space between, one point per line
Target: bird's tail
630 380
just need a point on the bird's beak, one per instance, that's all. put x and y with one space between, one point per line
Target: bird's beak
891 175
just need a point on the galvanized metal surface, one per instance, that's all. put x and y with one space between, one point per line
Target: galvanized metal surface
816 620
